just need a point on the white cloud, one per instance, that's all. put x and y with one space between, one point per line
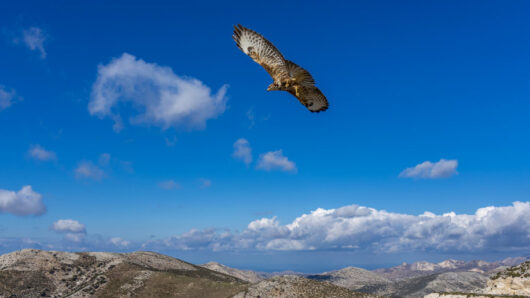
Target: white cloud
87 169
242 151
275 160
441 169
7 97
163 98
74 231
39 153
168 185
23 202
361 228
68 226
34 39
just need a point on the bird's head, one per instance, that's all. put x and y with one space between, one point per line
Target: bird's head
273 87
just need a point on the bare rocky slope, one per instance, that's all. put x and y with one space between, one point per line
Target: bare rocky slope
511 281
352 278
296 286
469 282
405 271
246 275
37 273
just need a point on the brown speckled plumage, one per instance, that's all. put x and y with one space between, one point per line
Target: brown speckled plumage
287 75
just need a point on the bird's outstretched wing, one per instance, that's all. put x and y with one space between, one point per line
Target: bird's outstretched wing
260 50
312 98
301 76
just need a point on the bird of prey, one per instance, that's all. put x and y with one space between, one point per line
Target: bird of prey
287 75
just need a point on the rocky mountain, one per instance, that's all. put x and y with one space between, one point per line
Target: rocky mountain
406 271
468 282
37 273
246 275
296 286
351 277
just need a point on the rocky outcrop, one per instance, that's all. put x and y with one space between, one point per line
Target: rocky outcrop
511 281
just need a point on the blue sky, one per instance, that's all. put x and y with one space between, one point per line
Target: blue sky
410 82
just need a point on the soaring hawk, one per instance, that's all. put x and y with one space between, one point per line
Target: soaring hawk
287 75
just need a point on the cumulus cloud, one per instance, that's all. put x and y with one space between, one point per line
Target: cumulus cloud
88 170
68 226
23 202
242 151
39 153
34 39
7 97
72 229
168 185
162 97
361 228
428 170
275 160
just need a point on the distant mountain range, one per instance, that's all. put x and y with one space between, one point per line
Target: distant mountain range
37 273
422 268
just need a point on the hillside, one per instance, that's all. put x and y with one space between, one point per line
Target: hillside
296 286
37 273
351 278
246 275
405 271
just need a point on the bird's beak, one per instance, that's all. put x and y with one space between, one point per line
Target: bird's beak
269 88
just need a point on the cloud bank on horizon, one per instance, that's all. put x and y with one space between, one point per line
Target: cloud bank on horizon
348 228
361 228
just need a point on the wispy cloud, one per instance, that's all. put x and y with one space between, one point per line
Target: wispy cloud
251 117
275 160
119 242
72 229
205 183
33 38
242 151
358 228
164 99
23 202
169 185
104 159
429 170
7 97
39 153
171 141
88 170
